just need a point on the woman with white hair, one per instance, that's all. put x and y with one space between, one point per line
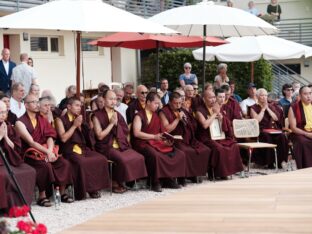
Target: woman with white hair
221 78
270 119
187 78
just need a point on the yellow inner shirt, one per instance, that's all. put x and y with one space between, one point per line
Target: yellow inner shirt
308 116
115 142
149 115
34 122
76 147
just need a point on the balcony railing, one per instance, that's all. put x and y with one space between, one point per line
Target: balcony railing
17 5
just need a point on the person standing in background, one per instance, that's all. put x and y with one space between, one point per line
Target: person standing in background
6 67
274 9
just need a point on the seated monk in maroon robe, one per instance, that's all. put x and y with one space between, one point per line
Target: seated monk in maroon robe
230 107
178 121
162 160
300 121
39 151
10 144
225 157
11 117
111 133
137 104
90 169
269 117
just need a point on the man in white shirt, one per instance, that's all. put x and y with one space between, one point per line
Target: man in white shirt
121 107
16 101
6 67
251 100
24 73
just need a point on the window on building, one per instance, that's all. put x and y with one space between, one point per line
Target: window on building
46 44
86 47
39 44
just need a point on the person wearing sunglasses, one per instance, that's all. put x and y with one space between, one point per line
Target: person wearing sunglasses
187 78
137 104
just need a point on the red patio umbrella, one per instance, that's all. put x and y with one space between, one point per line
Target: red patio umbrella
151 41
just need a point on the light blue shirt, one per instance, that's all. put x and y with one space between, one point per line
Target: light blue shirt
253 11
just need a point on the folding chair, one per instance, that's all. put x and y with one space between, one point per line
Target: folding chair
249 128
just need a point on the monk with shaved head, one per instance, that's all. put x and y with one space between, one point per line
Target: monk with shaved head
225 156
39 151
25 175
137 104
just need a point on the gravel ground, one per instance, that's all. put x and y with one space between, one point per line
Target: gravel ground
72 214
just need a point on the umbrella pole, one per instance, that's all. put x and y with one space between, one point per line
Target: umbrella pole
252 69
78 39
157 63
204 54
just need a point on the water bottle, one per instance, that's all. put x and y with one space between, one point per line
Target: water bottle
57 198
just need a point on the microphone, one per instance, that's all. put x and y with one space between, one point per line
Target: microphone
184 121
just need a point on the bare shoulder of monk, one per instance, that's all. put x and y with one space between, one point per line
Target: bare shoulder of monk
172 137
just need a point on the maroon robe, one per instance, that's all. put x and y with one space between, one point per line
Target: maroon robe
232 109
128 164
302 145
133 107
225 157
25 175
58 172
90 169
12 118
159 165
267 156
197 154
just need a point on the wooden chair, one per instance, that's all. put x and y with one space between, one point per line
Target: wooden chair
249 128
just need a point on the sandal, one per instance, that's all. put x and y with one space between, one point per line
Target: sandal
44 202
95 194
119 189
66 199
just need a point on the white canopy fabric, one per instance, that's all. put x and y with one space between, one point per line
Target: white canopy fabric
219 20
80 15
251 48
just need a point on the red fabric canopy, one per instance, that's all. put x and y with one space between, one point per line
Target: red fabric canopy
151 41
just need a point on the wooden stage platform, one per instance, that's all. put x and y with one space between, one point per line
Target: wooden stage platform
278 203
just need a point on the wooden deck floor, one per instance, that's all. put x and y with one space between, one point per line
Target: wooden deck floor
279 203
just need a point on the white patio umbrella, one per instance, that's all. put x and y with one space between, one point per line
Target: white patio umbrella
251 48
80 16
214 20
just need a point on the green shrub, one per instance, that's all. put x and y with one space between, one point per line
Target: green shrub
171 66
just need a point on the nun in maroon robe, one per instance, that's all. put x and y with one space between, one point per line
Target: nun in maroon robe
267 123
162 161
197 154
230 108
225 157
59 171
301 136
90 169
25 175
128 164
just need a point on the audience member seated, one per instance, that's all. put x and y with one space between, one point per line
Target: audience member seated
129 92
270 120
11 118
187 78
286 101
230 107
221 78
233 94
252 9
90 169
35 90
300 121
178 121
251 100
111 132
163 161
274 9
16 101
10 144
137 104
225 156
69 92
120 106
39 151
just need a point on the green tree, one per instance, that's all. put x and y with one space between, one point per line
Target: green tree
171 66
